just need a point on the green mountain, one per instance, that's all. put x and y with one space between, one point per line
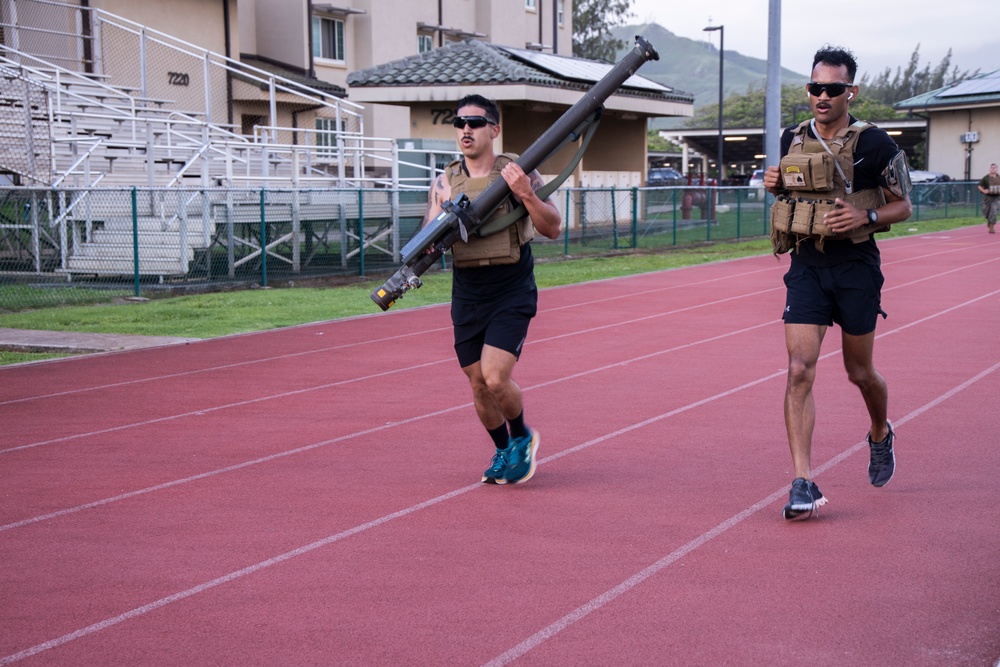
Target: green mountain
693 66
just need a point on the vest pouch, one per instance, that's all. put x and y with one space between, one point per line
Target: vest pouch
781 223
994 190
821 208
807 171
495 249
503 247
781 214
802 218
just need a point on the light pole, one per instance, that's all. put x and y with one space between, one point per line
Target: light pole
722 36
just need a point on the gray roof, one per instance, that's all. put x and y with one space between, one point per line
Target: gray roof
288 73
982 89
472 62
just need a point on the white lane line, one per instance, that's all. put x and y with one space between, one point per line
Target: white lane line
222 367
226 406
612 594
349 436
372 341
386 339
439 361
402 369
539 637
376 429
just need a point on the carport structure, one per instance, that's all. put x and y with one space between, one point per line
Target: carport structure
744 147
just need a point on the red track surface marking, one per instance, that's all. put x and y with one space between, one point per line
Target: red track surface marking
305 496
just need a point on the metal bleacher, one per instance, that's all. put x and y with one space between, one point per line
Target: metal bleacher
117 167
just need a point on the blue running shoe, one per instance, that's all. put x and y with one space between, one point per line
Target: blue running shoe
521 460
498 466
803 501
882 463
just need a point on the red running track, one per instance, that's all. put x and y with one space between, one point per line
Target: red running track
311 495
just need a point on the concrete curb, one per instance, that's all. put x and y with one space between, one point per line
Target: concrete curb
26 340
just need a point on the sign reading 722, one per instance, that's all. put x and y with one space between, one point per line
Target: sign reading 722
443 116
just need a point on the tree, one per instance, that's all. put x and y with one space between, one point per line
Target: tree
889 89
874 101
747 109
656 142
592 23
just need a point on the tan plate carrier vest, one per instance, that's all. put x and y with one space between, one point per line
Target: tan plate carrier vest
813 182
503 247
994 185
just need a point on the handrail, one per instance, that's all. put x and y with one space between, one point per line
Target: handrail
227 63
164 224
187 165
78 162
42 77
69 209
180 128
213 127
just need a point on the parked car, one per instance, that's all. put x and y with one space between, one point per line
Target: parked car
919 176
930 189
756 184
661 176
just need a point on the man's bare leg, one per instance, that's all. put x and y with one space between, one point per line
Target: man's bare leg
861 372
803 342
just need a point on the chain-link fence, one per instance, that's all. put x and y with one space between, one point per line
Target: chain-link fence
25 139
60 246
606 219
72 245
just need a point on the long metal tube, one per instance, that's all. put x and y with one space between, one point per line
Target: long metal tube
428 249
540 150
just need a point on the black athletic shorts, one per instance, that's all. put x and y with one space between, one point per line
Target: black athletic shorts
501 322
849 294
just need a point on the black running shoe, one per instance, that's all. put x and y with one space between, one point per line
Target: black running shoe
804 500
882 463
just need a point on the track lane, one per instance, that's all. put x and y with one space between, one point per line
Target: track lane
583 463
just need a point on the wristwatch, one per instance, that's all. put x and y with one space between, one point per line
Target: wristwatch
872 216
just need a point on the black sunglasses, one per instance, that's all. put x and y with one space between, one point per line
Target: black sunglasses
475 122
832 89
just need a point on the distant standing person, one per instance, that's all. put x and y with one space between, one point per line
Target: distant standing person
493 295
990 187
839 180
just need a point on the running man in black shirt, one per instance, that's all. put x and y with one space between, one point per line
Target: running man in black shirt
826 213
494 295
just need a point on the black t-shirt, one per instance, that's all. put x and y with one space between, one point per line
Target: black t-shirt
490 283
872 154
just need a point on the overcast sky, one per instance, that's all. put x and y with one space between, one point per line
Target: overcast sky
881 34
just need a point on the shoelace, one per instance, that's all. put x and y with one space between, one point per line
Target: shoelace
804 494
805 497
880 458
882 451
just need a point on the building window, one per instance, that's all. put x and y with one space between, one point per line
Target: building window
248 123
328 38
326 136
560 10
531 5
424 43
